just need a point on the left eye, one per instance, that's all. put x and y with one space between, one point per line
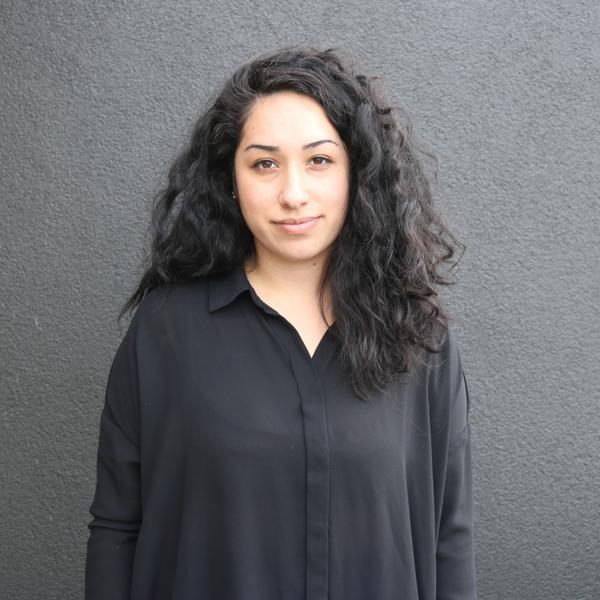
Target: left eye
323 158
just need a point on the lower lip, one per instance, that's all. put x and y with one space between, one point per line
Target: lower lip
298 227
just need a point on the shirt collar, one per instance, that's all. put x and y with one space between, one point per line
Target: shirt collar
225 288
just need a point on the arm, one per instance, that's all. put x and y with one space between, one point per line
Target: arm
455 566
116 506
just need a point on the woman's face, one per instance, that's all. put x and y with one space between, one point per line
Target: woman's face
292 166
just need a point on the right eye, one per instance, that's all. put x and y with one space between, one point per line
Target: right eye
261 162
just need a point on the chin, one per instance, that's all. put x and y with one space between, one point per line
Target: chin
302 257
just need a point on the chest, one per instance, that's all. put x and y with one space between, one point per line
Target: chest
310 327
305 318
237 392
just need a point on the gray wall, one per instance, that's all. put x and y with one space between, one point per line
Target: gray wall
95 99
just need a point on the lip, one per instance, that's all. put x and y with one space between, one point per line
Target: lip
297 225
296 221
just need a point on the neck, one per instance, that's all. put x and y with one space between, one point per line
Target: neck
297 278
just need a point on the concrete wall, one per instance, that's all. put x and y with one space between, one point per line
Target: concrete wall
95 99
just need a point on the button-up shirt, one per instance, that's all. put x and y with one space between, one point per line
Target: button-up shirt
232 465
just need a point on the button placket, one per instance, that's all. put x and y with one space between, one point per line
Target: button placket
312 403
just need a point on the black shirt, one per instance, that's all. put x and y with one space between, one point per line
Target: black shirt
232 465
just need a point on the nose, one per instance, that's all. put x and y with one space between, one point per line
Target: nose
293 192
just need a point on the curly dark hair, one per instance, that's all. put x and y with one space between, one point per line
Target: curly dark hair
389 258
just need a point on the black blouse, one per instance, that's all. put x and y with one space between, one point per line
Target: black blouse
232 465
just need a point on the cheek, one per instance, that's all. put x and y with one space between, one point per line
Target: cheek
339 187
341 202
254 213
342 216
248 213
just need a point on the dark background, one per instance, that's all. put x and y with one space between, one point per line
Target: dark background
96 98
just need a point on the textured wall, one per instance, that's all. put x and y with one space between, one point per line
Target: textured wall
95 99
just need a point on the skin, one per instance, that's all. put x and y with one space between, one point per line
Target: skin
291 182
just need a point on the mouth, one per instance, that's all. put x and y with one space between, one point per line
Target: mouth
295 221
297 225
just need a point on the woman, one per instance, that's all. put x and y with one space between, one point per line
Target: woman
286 416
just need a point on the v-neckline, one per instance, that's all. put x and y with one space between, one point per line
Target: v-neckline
269 309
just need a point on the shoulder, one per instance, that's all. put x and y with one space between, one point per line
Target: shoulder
171 300
446 363
169 311
446 385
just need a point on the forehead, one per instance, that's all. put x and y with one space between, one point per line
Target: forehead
287 115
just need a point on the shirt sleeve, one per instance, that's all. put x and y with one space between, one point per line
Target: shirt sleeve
116 506
455 566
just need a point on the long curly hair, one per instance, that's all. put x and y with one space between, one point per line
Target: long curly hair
389 260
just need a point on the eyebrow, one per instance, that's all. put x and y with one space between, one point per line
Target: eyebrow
276 148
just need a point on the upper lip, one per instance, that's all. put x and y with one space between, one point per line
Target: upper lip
296 221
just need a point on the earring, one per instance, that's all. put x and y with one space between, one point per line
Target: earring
233 194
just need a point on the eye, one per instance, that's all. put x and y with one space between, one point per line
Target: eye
260 162
321 158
